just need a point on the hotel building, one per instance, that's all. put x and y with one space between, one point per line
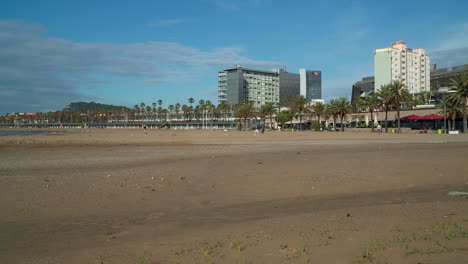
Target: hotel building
237 85
412 67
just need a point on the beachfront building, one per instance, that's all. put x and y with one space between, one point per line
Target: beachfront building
412 67
440 80
310 84
363 88
237 85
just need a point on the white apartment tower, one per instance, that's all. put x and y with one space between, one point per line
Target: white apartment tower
398 62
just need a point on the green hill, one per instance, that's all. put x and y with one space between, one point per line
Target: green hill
83 106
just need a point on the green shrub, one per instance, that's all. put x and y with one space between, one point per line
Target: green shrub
315 126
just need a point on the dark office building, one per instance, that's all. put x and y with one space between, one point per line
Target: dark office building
311 84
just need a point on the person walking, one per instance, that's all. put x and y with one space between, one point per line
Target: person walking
379 128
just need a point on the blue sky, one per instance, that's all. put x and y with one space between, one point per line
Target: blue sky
127 52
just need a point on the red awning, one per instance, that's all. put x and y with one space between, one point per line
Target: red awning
422 118
433 117
411 118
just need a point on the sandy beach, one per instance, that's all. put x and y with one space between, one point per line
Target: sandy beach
175 196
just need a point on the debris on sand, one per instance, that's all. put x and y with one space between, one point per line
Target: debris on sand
181 178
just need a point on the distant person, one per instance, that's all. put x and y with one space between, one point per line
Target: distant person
256 130
144 128
379 128
263 130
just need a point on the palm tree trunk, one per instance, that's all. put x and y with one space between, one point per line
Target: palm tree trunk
271 121
465 125
372 119
398 116
453 122
320 124
300 121
386 120
334 124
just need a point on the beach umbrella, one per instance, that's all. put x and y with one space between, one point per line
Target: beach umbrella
433 117
412 118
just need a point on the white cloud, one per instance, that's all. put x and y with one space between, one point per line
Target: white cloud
40 73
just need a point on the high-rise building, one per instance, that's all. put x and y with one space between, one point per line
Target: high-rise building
440 81
412 67
310 84
238 84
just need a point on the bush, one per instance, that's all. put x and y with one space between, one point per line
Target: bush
315 126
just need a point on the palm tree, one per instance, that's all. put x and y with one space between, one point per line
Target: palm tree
185 110
459 87
360 104
142 109
171 110
282 118
201 106
209 108
371 103
299 106
191 101
177 110
342 107
425 97
136 108
244 111
268 109
148 109
160 111
154 109
398 96
333 112
318 109
450 108
224 108
384 94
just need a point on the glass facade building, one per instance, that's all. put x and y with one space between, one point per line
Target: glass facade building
311 84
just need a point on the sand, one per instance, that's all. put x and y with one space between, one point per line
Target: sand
174 196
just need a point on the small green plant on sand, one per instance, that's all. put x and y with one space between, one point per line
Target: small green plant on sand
178 251
100 259
304 251
366 257
144 260
206 251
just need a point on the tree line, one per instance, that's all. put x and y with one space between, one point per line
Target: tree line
393 96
